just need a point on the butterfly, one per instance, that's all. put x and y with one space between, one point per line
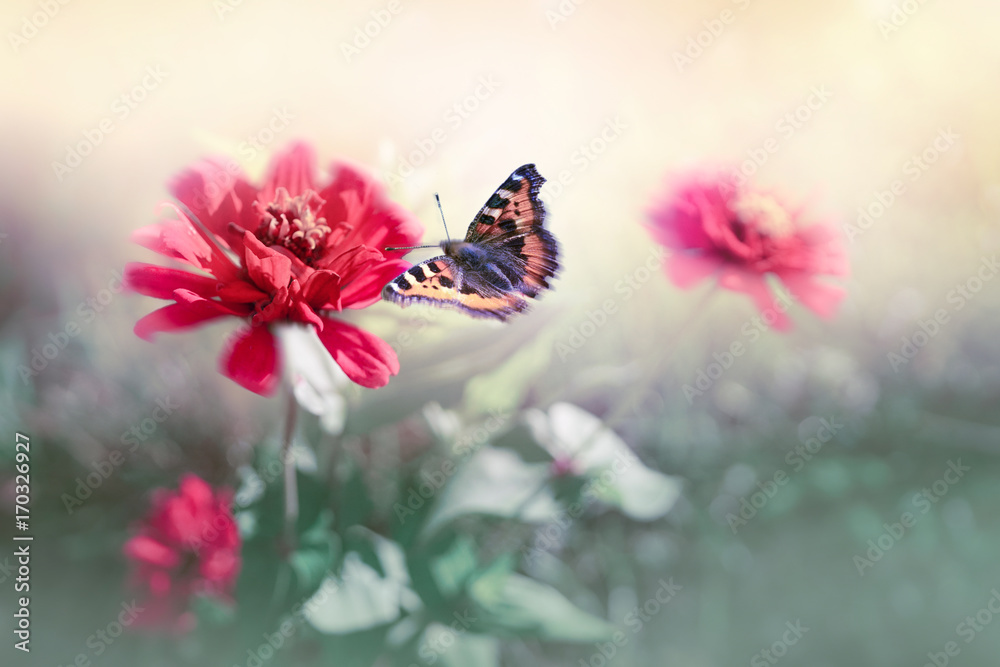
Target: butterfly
506 258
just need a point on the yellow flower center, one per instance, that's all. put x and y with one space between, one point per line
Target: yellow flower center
765 214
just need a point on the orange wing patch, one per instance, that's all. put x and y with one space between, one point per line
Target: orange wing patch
514 207
438 281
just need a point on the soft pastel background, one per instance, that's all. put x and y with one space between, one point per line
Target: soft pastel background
230 68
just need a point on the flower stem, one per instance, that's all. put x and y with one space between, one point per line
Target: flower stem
291 483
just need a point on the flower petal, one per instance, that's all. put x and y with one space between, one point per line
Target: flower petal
161 281
268 269
152 552
291 169
366 289
755 286
819 297
687 269
182 315
359 200
251 360
216 194
365 358
321 290
180 238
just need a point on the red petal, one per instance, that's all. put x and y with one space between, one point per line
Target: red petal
322 290
292 170
686 270
251 360
301 312
161 281
180 238
367 288
755 286
196 490
241 292
147 550
179 316
360 200
365 358
268 269
819 297
216 194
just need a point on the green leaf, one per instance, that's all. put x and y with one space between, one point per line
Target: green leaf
526 608
454 568
313 557
359 599
466 649
212 611
353 502
495 482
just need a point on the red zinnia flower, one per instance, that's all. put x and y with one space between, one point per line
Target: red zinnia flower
741 234
288 251
187 544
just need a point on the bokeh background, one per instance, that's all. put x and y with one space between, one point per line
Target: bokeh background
538 82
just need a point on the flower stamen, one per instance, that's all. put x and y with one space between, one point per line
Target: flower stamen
293 223
763 213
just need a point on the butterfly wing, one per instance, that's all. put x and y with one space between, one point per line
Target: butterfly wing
441 282
512 222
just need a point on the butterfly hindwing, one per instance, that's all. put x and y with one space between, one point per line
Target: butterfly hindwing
440 281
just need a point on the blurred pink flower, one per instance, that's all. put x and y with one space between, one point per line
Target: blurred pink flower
290 250
738 235
187 544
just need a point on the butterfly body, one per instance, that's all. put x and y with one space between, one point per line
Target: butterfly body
506 258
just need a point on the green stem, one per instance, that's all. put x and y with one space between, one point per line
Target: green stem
291 483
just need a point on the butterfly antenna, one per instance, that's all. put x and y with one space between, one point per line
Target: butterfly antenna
409 247
447 236
441 211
